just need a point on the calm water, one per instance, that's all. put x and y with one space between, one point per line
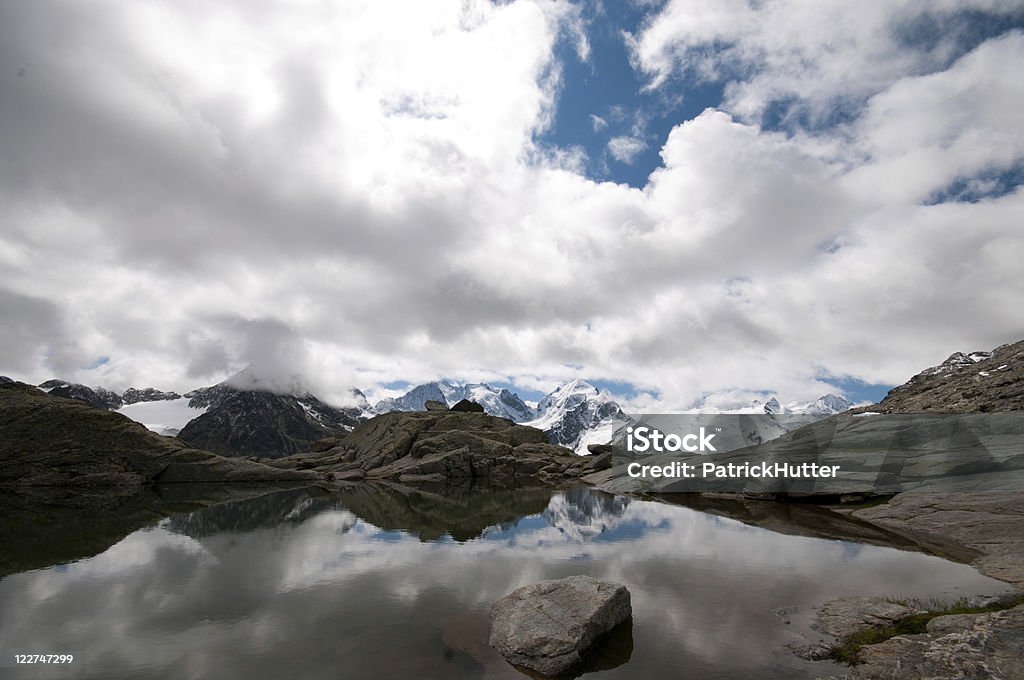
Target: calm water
384 583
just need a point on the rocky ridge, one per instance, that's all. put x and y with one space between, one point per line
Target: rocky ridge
50 441
443 445
963 383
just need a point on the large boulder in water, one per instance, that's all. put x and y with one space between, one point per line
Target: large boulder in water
547 627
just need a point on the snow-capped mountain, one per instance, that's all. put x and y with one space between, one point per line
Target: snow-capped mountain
497 402
246 415
575 415
827 405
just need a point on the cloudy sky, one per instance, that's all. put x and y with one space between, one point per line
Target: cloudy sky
674 199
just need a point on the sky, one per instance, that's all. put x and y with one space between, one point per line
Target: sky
691 202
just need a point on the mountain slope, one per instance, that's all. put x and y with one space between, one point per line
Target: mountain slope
963 383
258 422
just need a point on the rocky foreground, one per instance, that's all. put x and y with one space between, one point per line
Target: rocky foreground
433 446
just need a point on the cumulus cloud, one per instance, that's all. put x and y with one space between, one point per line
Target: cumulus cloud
625 149
810 60
354 193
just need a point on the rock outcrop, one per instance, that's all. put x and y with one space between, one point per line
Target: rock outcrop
963 383
445 445
133 395
969 646
987 524
51 441
547 627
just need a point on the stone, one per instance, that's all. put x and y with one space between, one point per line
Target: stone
965 646
467 406
325 444
547 627
432 405
848 615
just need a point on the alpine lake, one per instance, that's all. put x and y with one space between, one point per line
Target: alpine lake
390 581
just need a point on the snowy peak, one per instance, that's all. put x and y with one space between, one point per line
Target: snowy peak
575 415
825 406
955 362
822 406
496 402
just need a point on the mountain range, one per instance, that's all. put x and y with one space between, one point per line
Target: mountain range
497 402
246 415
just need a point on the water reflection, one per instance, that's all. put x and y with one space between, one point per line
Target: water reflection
384 581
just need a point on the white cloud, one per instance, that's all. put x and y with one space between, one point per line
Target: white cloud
625 149
353 192
598 123
814 57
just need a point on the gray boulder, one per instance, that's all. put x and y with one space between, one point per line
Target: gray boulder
434 405
547 627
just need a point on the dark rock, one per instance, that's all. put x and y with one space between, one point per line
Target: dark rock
325 444
434 405
597 462
97 397
467 406
135 396
547 627
5 379
49 441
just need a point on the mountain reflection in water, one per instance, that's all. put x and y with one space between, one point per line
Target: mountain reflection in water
381 581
